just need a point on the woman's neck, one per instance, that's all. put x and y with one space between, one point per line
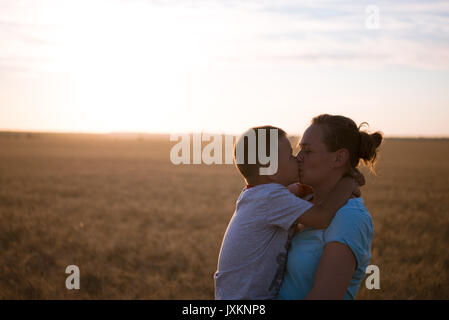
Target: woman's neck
322 190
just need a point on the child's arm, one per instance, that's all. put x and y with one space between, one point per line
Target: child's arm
321 214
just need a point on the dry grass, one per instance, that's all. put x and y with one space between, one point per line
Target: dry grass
139 227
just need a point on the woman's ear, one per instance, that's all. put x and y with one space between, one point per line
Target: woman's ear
341 158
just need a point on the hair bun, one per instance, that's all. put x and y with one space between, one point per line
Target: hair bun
369 143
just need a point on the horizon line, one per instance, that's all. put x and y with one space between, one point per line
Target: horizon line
137 133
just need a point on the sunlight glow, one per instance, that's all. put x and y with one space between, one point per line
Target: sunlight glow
221 66
125 70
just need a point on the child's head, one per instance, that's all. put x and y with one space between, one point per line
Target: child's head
264 154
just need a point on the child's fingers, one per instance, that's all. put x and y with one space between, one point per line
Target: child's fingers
304 190
358 176
293 188
357 193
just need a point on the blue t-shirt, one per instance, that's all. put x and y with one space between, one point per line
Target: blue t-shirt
352 226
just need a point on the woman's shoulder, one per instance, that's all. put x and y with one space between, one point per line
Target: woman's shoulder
354 207
352 226
353 214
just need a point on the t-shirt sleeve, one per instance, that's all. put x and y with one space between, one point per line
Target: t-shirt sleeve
284 208
353 228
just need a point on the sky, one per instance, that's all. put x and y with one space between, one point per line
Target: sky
223 66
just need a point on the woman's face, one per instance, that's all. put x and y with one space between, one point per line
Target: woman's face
315 162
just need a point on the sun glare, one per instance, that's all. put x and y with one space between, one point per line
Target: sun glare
125 71
219 66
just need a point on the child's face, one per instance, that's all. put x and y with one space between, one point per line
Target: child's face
288 165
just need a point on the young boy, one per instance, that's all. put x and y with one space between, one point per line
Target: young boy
254 249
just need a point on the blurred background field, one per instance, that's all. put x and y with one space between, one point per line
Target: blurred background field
139 227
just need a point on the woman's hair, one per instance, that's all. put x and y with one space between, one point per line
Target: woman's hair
341 132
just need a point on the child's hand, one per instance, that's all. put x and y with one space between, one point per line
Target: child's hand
358 176
300 190
294 188
357 193
304 190
352 184
359 181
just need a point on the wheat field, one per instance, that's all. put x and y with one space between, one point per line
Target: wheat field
139 227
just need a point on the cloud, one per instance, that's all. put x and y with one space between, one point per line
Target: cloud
31 36
411 33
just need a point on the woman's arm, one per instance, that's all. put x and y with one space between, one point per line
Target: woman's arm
334 273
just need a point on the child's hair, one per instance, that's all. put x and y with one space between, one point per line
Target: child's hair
342 132
251 170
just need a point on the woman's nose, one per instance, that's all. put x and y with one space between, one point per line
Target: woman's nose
299 157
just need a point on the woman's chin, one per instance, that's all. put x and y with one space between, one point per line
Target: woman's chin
305 181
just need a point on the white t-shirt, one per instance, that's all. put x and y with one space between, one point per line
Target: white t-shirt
253 253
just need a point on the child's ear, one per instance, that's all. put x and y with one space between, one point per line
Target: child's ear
341 157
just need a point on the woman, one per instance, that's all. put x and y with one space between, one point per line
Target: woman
331 263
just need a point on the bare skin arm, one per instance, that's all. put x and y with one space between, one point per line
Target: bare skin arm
334 273
320 215
302 190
